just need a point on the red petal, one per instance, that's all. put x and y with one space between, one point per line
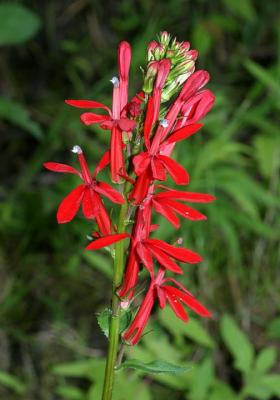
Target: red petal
197 107
90 204
166 213
106 241
106 190
87 104
149 120
185 211
186 196
116 154
169 279
130 276
141 162
190 301
161 296
103 221
158 170
176 171
195 82
126 124
179 253
145 257
105 160
176 306
58 167
163 71
69 207
91 118
183 133
108 125
165 261
124 58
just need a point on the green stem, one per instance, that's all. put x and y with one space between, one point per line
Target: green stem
115 319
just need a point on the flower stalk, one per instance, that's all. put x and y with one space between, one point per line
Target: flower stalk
143 134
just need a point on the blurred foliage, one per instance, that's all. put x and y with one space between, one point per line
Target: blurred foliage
50 343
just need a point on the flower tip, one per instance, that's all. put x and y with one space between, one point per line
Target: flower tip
115 81
77 150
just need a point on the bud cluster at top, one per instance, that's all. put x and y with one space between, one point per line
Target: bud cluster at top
182 64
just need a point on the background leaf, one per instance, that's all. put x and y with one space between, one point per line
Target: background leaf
17 23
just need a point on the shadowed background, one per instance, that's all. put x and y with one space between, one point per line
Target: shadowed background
50 344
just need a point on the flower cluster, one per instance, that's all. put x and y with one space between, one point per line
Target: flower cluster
143 135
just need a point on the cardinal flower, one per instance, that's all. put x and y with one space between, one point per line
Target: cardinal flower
88 194
116 120
166 204
164 290
156 161
144 251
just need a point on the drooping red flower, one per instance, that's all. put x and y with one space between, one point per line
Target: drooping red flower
87 194
162 289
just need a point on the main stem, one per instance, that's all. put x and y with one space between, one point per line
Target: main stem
115 318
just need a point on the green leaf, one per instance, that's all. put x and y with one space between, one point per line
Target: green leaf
274 329
17 23
266 359
11 382
104 318
193 329
79 369
203 379
18 115
70 393
237 343
154 367
241 8
261 74
222 391
272 381
267 153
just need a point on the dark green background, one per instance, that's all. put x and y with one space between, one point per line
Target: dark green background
50 288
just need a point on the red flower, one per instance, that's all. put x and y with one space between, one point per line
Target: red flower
154 101
165 204
144 251
177 299
155 162
116 121
86 194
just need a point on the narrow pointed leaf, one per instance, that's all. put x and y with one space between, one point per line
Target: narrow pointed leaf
154 367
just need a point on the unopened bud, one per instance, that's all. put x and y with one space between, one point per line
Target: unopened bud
191 54
185 46
159 52
165 38
151 47
150 77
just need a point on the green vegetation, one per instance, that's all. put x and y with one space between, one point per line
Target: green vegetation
51 346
